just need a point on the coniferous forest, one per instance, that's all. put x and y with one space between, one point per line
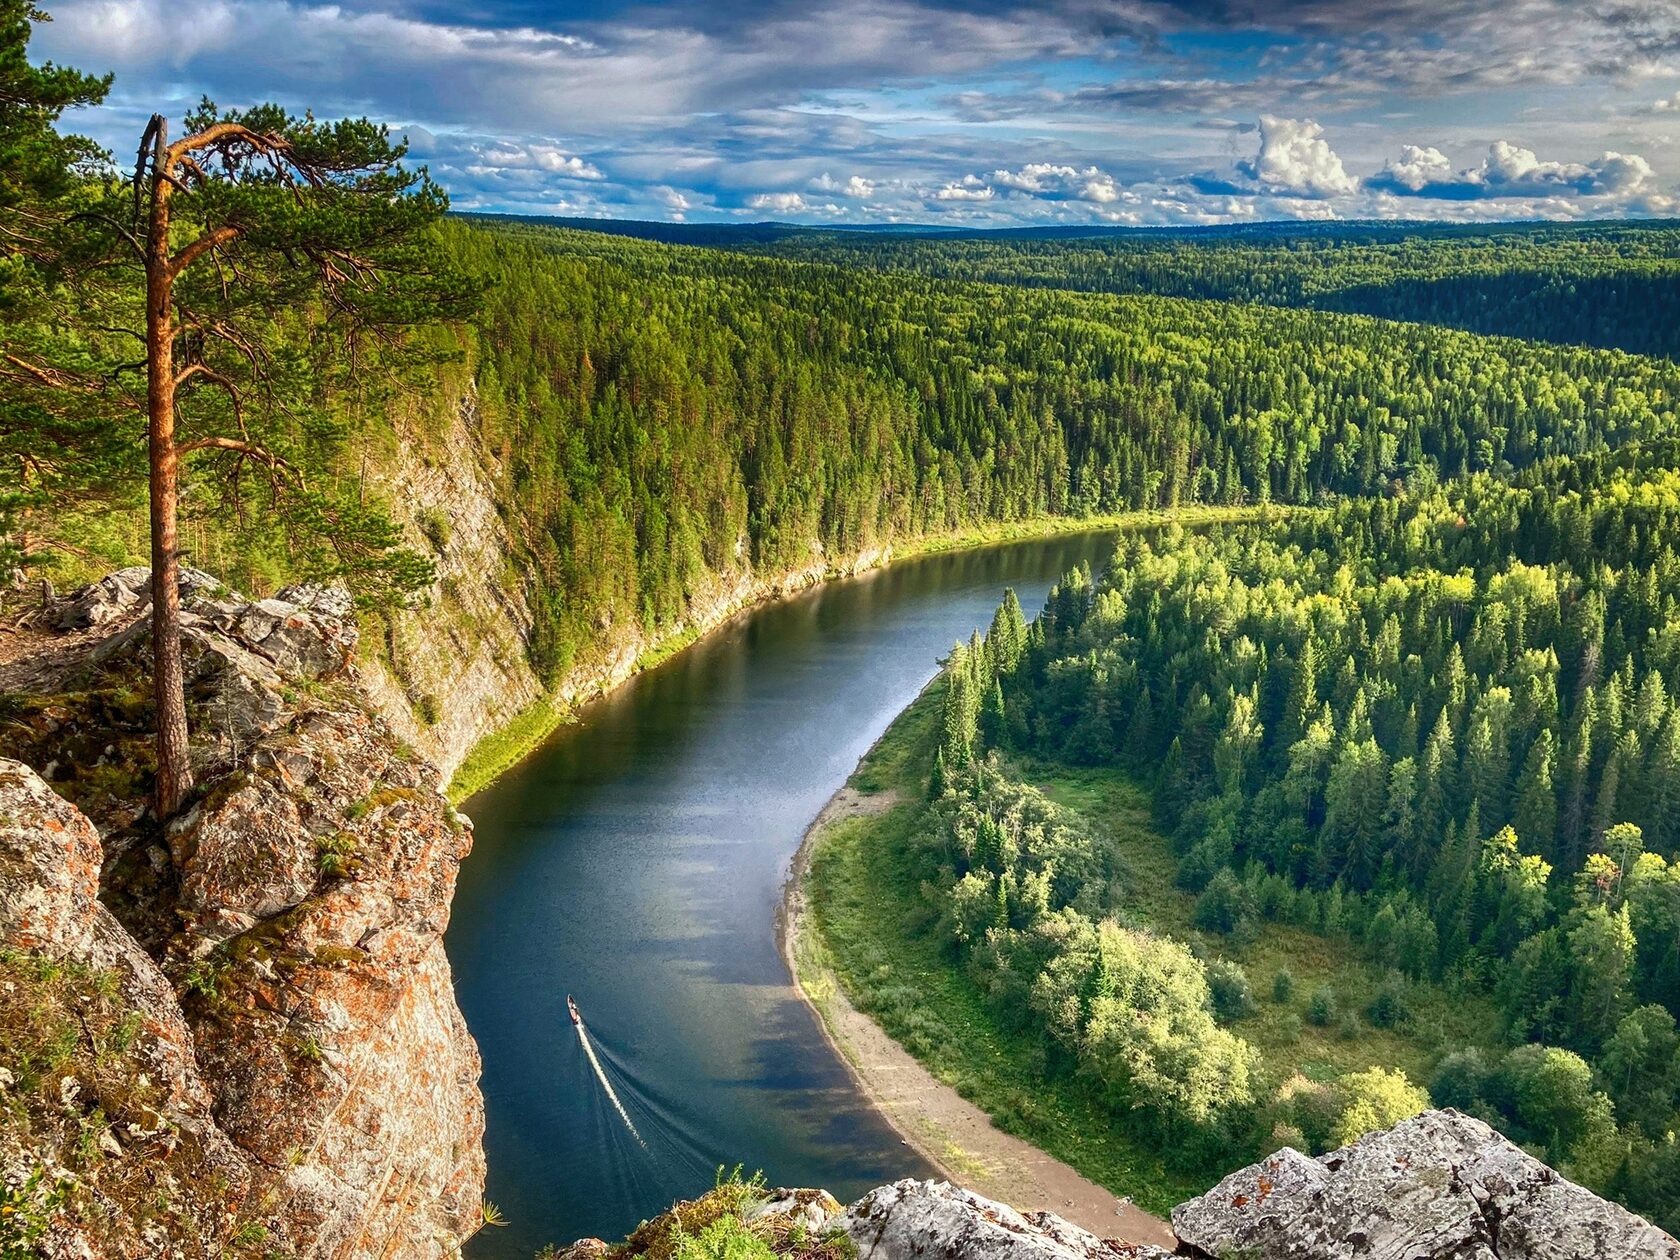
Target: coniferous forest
1426 712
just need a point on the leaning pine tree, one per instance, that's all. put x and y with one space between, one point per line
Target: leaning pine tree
282 259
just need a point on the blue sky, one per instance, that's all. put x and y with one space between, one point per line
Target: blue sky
931 111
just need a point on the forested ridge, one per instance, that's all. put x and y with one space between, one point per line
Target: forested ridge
659 413
1605 284
666 410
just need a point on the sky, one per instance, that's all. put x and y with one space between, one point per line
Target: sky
1089 112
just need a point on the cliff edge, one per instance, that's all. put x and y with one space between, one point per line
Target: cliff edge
1440 1186
234 1034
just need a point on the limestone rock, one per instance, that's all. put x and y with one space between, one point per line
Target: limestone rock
304 1071
123 593
1440 1186
812 1209
49 867
316 888
322 599
934 1220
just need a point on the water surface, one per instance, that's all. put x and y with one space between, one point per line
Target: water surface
636 861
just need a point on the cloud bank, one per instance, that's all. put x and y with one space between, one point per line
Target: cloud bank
991 112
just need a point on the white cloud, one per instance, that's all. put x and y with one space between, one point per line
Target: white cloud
780 202
1054 182
856 186
1296 160
1418 167
504 155
1510 170
971 188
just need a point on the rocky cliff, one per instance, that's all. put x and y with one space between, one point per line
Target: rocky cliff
456 669
1440 1186
235 1034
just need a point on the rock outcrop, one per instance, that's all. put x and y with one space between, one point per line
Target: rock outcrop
934 1220
297 1074
1440 1186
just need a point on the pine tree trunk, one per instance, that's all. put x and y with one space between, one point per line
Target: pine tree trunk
174 767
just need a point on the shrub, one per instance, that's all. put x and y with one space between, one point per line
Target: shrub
1388 1008
727 1238
1228 986
1461 1080
1374 1099
435 525
1321 1007
1225 904
1283 986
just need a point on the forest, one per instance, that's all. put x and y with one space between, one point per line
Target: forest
1437 727
1430 715
658 412
1614 285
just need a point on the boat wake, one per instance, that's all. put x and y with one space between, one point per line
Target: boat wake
601 1072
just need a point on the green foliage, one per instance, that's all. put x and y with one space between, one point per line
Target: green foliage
53 444
1599 284
1228 988
1376 1099
1225 905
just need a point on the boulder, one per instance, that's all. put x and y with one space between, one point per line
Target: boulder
315 886
119 595
322 599
934 1220
1440 1186
49 867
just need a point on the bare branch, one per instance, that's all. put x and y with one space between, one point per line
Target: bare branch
154 131
53 378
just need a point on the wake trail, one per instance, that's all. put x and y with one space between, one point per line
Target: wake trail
601 1075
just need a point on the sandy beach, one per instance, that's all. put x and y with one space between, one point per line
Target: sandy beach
953 1134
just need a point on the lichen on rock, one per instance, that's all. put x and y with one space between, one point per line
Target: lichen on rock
934 1220
278 948
1440 1186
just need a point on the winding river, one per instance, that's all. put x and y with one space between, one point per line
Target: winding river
636 862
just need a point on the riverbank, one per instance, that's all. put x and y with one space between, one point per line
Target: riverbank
946 1129
501 749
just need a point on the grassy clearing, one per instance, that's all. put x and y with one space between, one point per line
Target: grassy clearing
873 925
501 750
1288 1042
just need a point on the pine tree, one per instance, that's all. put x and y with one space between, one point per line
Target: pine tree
58 447
1007 637
249 214
1302 705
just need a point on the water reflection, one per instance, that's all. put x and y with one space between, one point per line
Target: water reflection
636 862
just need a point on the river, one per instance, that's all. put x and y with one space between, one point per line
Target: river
636 861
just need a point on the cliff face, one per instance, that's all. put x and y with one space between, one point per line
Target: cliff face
236 1034
456 669
451 672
